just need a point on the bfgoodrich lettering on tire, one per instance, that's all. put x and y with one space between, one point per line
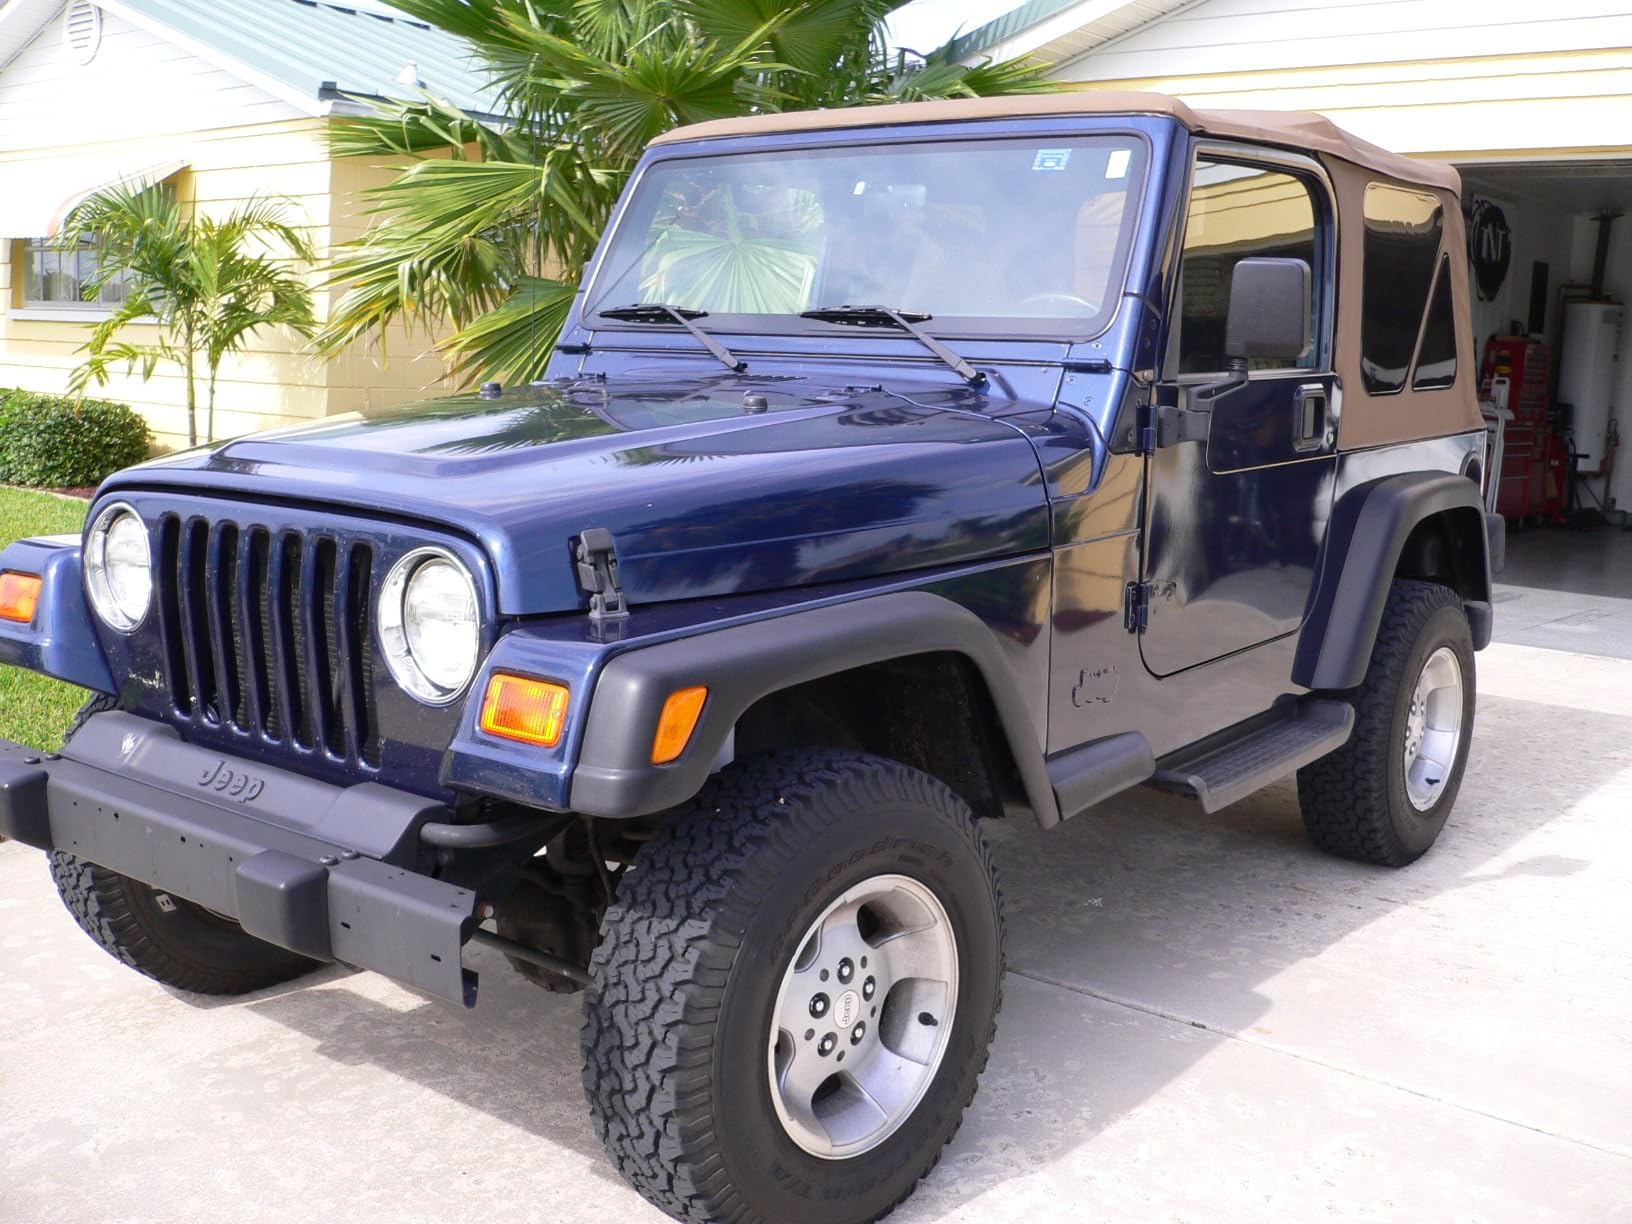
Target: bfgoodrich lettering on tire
1385 795
799 890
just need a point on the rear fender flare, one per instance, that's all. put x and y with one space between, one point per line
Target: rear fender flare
1369 527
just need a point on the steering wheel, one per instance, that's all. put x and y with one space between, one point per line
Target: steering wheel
1059 295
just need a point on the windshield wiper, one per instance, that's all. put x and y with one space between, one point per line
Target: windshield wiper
875 316
662 312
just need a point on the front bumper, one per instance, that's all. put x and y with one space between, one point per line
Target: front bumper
325 871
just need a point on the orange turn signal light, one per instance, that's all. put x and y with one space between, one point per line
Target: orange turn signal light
521 708
19 596
678 720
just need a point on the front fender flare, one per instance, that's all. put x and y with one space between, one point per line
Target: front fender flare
61 642
1369 527
614 775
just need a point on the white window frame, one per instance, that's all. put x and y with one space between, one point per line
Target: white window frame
52 310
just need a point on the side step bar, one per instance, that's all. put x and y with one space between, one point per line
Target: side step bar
1222 774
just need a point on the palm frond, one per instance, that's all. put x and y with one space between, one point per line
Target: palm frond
487 225
512 342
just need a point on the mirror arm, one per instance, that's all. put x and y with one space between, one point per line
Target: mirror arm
1235 377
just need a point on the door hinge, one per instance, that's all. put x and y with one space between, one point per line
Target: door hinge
1167 424
597 555
1136 607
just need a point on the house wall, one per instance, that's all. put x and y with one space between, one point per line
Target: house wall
137 86
237 141
1419 76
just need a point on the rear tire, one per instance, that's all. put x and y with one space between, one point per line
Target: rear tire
168 938
1376 799
713 949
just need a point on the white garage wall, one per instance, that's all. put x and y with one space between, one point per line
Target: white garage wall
1538 233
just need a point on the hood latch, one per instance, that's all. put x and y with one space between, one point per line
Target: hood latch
597 556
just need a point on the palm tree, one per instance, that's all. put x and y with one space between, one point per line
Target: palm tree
209 283
487 228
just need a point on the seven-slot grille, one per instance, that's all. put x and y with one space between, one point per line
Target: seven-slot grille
268 631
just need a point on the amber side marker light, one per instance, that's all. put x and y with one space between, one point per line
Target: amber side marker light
678 720
19 596
524 709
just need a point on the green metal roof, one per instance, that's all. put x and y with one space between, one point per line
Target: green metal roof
321 49
983 38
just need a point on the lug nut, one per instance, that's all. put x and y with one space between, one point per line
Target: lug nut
847 969
818 1005
857 1033
824 1047
868 988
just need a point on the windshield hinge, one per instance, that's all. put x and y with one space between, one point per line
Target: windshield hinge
1136 607
597 555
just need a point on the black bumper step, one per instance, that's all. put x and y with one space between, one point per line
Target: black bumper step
1223 774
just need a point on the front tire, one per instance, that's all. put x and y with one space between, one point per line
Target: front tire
168 938
1385 795
714 1063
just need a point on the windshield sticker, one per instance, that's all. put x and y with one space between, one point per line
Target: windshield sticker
1051 159
1116 166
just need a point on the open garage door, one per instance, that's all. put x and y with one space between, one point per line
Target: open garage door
1551 253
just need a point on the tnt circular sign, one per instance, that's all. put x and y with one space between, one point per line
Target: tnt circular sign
1490 247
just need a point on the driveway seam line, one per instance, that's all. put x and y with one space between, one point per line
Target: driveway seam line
1342 1068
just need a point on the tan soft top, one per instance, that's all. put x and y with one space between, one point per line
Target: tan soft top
1301 130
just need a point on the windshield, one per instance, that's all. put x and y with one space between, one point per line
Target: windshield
1003 236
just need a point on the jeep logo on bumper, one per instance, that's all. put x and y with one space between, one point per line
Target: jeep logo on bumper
233 783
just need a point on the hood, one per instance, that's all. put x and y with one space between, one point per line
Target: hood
704 496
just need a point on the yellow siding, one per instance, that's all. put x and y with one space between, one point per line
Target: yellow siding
378 372
1560 104
277 381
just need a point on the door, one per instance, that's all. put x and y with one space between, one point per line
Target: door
1238 484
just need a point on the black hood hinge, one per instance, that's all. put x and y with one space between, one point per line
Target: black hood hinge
597 557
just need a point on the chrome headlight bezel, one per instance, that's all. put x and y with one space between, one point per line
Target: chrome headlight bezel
391 623
100 590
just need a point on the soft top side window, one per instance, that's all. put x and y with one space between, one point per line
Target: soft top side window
1404 229
1239 210
1435 368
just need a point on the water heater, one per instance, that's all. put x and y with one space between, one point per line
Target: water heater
1586 374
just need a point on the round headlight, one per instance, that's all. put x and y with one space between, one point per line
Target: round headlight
119 568
429 625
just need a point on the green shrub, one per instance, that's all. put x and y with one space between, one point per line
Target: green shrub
61 441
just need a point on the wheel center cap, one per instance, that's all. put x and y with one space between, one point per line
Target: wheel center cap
847 1009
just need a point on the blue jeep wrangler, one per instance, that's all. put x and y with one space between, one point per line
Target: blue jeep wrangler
898 468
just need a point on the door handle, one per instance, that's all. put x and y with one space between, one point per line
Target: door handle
1310 417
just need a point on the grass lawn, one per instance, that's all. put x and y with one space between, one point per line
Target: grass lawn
34 710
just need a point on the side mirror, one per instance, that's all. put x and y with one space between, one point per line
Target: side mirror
1269 310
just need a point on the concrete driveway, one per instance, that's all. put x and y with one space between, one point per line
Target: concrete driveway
1205 1020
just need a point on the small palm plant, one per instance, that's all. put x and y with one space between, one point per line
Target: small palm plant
209 283
483 234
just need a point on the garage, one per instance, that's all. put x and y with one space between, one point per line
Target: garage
1551 255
